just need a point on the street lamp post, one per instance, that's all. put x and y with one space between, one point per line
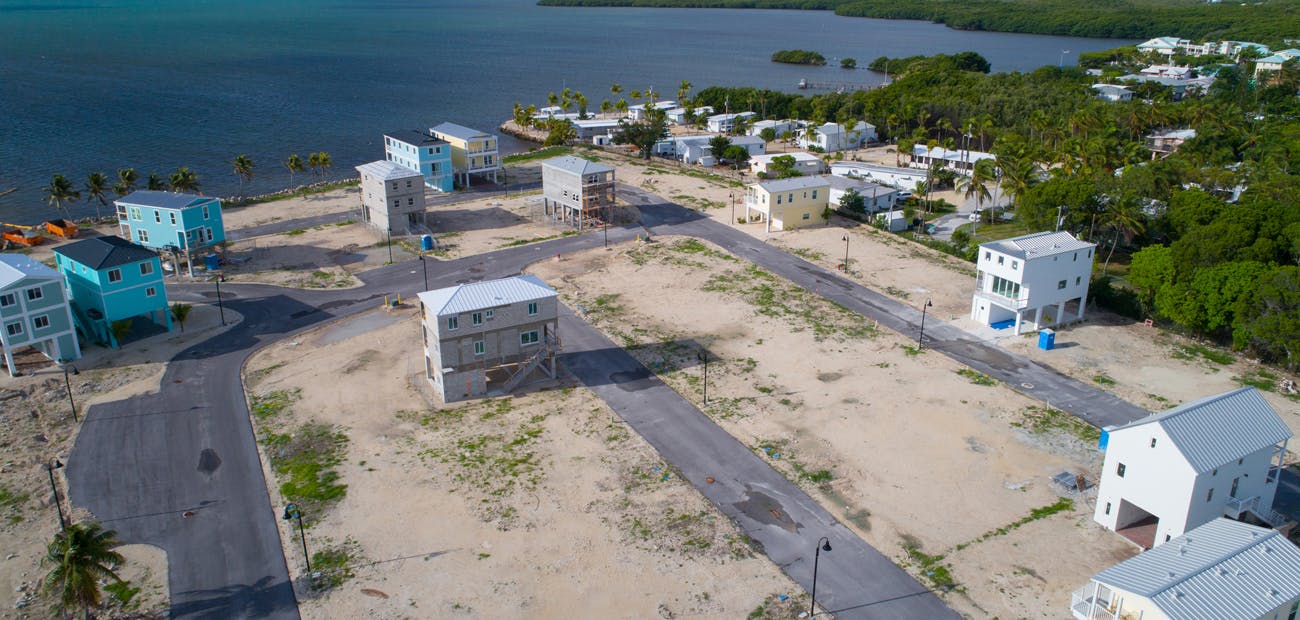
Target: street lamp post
291 512
822 545
732 196
221 307
704 357
52 465
425 267
390 244
1060 63
67 383
846 253
921 337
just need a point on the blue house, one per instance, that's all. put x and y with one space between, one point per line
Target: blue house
172 222
423 153
111 279
34 311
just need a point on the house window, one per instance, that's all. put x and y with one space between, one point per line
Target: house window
205 212
1001 259
410 202
157 216
1153 442
136 214
209 230
476 318
1233 491
453 323
144 235
479 349
114 275
1239 461
814 194
1076 257
1167 537
488 314
532 308
527 338
1107 507
150 292
790 198
8 299
43 321
173 218
146 269
14 329
778 199
1078 280
807 216
1060 284
1209 495
1119 471
35 293
397 202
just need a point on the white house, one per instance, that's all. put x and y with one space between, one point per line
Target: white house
902 178
832 137
874 196
577 191
1035 281
392 198
1163 143
961 161
695 149
804 163
1171 472
780 127
677 116
638 112
1169 71
488 337
786 204
1111 92
1223 569
1275 61
724 123
589 128
1165 46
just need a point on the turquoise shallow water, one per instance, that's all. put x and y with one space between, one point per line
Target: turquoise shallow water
99 85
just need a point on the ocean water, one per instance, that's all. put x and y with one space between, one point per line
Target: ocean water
101 84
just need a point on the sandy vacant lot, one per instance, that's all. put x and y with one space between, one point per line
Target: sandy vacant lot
525 507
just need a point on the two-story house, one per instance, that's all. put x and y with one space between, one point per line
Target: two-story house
831 137
786 204
1168 473
111 279
1032 281
1222 569
172 222
488 337
472 151
804 164
725 123
423 153
34 311
392 198
577 191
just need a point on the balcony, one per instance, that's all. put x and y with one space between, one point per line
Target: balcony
1091 602
1236 506
1006 302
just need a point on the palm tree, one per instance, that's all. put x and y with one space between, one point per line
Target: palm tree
96 188
621 106
324 162
552 99
977 184
295 165
615 89
683 88
313 162
180 312
59 193
127 180
243 168
156 182
580 100
183 180
81 556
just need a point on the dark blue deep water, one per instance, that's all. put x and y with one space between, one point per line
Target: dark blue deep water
102 84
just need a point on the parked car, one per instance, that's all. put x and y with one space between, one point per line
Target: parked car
902 197
975 216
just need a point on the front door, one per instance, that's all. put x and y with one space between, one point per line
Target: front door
1233 491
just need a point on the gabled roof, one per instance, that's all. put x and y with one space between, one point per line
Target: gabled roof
1219 429
460 131
1038 244
487 294
15 267
104 252
386 170
415 136
163 200
866 188
1223 569
1161 42
797 155
793 183
576 165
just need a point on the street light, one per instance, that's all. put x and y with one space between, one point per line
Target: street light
49 469
221 307
390 243
704 357
822 545
922 336
291 512
846 253
425 267
67 383
1060 63
732 196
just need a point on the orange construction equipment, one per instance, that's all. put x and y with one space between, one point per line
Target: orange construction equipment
62 228
21 235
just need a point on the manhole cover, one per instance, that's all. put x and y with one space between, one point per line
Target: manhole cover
1027 386
187 514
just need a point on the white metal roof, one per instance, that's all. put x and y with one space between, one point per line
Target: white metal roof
1223 569
1219 429
866 188
792 183
487 294
459 131
386 170
797 155
1038 244
15 267
576 165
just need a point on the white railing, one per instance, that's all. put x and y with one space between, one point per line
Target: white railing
1083 607
1022 302
1235 506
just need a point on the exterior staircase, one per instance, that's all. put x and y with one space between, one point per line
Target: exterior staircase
549 346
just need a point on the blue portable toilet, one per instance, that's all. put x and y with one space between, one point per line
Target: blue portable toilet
211 262
1047 339
426 243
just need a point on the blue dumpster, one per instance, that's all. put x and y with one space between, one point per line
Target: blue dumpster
211 262
426 242
1046 339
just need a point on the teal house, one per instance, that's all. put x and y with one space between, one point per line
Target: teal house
172 222
111 279
34 311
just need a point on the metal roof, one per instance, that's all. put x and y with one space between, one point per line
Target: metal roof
487 294
785 185
576 165
104 252
419 138
15 267
1223 569
163 200
1038 244
1219 429
797 155
387 171
459 131
863 187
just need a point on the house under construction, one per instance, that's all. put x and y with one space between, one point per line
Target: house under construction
576 191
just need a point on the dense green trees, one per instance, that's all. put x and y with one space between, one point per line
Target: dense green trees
798 57
645 133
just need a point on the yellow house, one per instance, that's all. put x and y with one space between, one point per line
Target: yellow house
786 204
472 151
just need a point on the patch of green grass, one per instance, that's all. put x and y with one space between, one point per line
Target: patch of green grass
306 191
1263 380
910 350
13 502
295 232
1103 380
518 242
978 378
305 460
123 593
1062 505
808 254
547 153
334 564
271 404
1040 420
932 567
775 297
1193 351
894 291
